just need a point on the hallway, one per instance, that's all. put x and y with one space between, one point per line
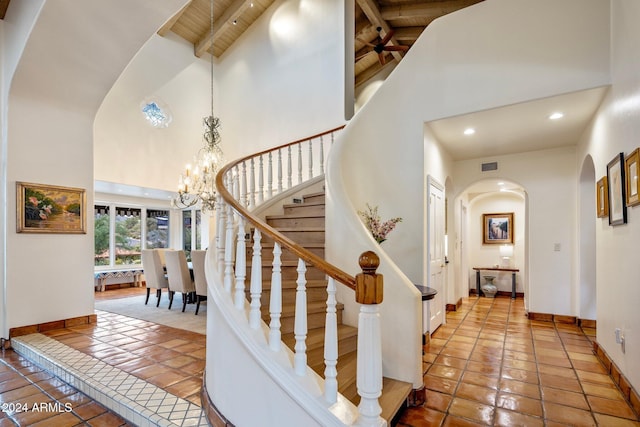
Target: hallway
490 365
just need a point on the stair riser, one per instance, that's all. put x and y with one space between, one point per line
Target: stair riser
289 273
304 209
267 254
314 320
300 237
315 198
289 296
314 221
347 345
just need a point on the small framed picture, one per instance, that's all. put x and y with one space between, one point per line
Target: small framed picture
497 228
602 198
615 180
632 190
43 208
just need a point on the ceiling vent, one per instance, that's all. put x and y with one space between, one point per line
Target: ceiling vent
493 166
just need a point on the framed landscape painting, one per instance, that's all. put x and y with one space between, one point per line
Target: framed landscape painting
497 228
45 208
602 198
615 179
632 189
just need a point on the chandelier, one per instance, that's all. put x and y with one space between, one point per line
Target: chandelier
197 184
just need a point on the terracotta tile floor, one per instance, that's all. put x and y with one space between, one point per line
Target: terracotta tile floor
490 365
30 396
170 358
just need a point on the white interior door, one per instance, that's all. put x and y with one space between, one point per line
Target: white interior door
435 252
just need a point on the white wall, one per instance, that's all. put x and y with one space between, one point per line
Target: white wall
284 79
615 129
491 54
480 255
551 219
65 71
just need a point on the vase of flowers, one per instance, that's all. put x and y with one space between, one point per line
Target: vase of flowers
379 229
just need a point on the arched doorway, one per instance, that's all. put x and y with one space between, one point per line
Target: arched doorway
491 196
586 301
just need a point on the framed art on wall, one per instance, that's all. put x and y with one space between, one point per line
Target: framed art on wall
615 180
43 208
602 198
631 178
497 228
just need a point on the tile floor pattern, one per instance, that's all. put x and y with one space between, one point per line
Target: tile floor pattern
490 365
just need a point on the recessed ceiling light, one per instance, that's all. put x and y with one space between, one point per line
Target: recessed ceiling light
501 183
469 131
556 116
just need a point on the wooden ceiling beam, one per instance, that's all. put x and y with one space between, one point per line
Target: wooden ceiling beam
4 5
171 22
408 34
221 25
370 9
365 75
429 11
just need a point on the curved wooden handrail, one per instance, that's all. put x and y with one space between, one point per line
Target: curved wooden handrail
309 257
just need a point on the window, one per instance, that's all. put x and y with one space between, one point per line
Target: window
191 231
119 233
128 236
102 234
157 229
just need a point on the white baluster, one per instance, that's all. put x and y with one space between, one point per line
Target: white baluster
299 163
321 156
275 303
252 184
279 171
244 197
220 234
256 281
310 158
270 176
300 322
228 251
261 181
241 265
331 345
369 368
289 168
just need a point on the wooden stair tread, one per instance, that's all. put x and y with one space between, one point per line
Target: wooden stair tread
394 396
306 204
293 216
312 307
315 337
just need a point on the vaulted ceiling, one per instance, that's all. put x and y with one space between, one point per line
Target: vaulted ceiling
374 19
405 19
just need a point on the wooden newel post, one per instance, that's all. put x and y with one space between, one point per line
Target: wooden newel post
369 368
369 283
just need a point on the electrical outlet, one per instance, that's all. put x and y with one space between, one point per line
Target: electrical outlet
556 247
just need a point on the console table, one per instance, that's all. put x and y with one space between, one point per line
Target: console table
513 277
130 275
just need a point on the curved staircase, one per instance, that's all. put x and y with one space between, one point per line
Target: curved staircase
304 223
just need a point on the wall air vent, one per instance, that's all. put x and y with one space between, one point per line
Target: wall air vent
493 166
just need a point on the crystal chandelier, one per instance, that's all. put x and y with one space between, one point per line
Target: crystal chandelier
197 184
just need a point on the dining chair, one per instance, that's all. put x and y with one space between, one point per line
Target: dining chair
153 273
199 277
179 276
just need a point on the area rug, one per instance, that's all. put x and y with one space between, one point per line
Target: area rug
134 307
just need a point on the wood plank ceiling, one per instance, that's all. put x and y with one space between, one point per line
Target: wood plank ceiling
405 18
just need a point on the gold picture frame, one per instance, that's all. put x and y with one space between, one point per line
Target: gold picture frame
602 198
43 208
497 228
632 187
617 198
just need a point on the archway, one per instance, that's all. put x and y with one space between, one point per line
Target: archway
586 301
484 197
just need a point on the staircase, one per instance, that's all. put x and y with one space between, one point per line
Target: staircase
304 223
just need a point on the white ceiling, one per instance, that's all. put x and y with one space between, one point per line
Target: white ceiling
519 128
